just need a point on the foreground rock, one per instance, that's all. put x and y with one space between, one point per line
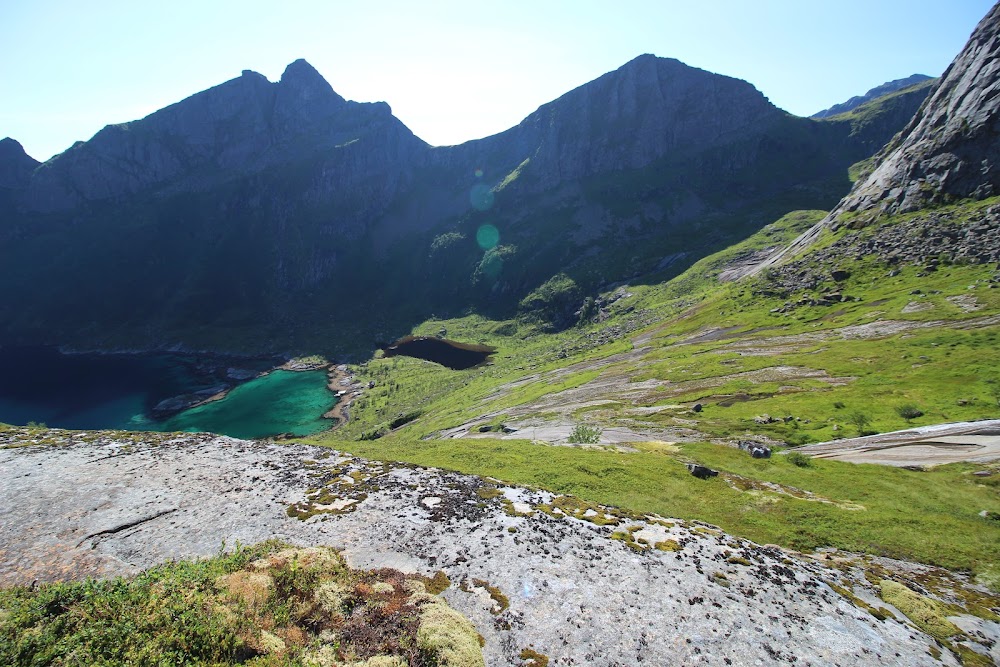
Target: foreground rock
579 583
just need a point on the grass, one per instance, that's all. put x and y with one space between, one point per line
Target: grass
839 383
266 605
931 517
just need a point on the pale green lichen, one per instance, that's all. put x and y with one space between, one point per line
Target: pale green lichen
448 636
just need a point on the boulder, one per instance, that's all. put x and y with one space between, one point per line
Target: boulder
701 472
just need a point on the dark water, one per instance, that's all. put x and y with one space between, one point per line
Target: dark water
90 391
448 353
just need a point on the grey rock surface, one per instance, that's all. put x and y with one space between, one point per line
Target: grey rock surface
950 149
527 569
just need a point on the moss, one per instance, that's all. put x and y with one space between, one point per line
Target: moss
533 658
880 613
283 605
488 492
382 661
447 638
668 545
738 560
600 515
502 603
720 579
926 614
437 584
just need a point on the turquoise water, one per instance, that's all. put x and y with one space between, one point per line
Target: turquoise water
93 391
279 402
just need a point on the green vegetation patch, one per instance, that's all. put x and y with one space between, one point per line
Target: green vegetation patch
930 616
269 604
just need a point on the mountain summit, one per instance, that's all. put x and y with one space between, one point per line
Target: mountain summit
257 214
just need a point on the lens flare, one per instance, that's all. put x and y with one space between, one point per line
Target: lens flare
479 173
481 197
487 236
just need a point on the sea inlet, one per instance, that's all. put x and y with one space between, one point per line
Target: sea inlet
122 391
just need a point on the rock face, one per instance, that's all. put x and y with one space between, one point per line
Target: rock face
15 165
527 575
951 148
237 219
949 151
626 119
877 91
237 128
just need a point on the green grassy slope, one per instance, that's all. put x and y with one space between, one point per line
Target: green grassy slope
730 347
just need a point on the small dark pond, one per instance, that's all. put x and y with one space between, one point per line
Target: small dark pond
449 353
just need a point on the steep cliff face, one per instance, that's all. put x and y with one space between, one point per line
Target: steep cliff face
951 148
949 151
238 128
259 215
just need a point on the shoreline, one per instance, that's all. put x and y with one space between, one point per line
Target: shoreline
341 382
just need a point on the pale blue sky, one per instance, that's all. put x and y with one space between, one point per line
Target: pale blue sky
451 70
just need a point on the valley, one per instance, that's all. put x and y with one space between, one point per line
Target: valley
678 378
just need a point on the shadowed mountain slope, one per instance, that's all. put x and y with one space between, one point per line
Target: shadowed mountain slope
258 216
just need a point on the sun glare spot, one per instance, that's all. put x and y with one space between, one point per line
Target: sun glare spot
487 236
481 197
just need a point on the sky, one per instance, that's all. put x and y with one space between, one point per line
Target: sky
451 70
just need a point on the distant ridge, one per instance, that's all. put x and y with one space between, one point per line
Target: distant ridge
877 91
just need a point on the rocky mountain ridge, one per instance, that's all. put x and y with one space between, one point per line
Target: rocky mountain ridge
240 217
877 91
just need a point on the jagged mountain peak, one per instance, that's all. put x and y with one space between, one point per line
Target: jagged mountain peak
15 165
12 149
307 83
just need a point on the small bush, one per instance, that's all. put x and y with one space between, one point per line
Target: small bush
909 411
799 459
583 434
861 421
839 405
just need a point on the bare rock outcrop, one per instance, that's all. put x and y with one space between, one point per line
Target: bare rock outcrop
576 582
951 148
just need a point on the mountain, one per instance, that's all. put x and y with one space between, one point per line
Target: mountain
259 216
949 150
947 153
877 91
15 165
239 128
872 338
882 116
